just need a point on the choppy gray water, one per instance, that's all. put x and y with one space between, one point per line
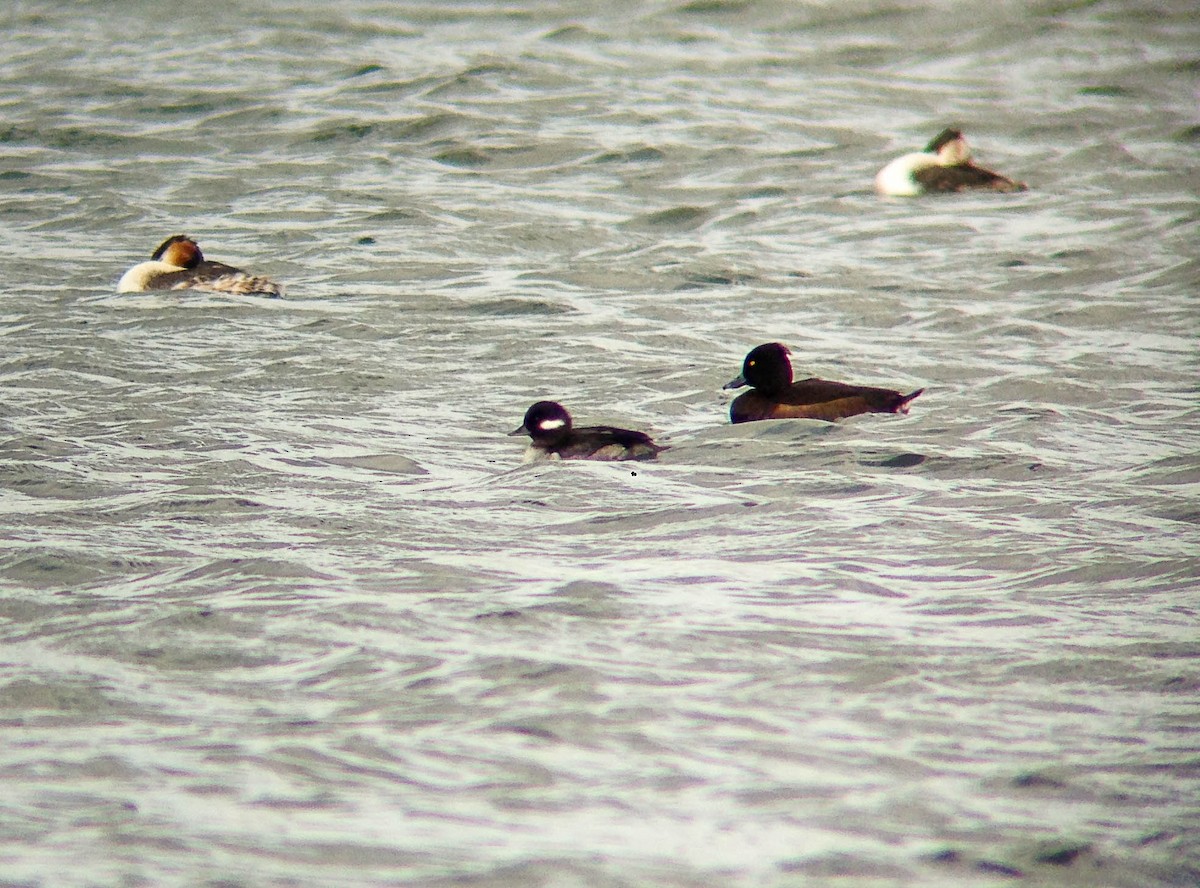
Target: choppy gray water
281 606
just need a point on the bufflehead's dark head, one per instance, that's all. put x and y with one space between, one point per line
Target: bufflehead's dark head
766 368
179 250
545 421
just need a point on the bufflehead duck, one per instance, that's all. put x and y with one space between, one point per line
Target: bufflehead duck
178 264
775 396
944 166
548 424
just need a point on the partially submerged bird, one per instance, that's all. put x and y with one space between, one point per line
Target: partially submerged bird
178 264
944 166
774 395
548 424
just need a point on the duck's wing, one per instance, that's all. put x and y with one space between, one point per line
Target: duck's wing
609 443
828 400
964 177
217 277
239 284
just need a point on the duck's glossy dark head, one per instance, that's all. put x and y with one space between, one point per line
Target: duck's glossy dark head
545 422
767 368
179 250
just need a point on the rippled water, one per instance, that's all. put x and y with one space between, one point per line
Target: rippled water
281 606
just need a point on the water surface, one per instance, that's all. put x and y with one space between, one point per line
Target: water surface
281 605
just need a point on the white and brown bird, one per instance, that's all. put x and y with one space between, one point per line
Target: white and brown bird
944 166
178 264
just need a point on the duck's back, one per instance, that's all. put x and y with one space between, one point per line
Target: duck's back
217 277
607 443
815 398
964 177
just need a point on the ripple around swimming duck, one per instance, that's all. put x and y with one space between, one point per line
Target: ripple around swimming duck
684 218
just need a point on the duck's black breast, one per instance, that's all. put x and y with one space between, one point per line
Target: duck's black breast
605 443
820 399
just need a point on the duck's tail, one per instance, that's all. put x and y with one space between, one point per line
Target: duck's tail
905 400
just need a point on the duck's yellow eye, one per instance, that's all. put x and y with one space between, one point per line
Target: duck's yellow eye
752 363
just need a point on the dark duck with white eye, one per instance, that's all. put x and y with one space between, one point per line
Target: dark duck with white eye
945 166
775 396
178 264
548 424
